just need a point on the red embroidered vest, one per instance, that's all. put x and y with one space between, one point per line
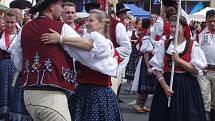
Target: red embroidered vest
112 30
185 55
89 76
45 64
133 35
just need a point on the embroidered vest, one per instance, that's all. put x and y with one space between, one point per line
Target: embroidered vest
112 31
185 55
89 76
133 36
45 64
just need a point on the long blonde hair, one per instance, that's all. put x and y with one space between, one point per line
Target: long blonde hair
103 18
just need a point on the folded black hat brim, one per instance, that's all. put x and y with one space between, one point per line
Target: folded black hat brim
21 4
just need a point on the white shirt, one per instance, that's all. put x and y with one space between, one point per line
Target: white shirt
123 40
152 31
147 44
12 37
158 26
124 48
207 43
197 56
100 58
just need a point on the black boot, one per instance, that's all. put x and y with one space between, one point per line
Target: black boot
207 114
212 114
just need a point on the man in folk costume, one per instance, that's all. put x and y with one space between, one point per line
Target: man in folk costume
152 18
121 42
69 14
207 80
47 70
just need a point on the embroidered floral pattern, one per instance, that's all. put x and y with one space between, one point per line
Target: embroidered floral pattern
69 75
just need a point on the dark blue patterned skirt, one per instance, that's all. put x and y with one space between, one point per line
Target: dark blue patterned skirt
94 103
186 102
7 71
11 98
147 83
18 111
132 63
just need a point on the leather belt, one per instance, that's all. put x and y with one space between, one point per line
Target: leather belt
43 88
210 67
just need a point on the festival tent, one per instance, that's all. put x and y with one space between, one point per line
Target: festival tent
2 7
200 16
203 11
199 6
136 11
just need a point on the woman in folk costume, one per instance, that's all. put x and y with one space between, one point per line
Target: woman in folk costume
131 66
11 99
94 99
143 75
186 98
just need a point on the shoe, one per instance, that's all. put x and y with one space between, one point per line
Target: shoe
141 109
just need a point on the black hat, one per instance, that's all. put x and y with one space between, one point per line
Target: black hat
93 4
170 3
21 4
121 8
40 5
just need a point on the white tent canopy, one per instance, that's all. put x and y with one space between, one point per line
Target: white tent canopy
200 16
203 11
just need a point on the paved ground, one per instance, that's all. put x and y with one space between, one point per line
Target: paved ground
127 108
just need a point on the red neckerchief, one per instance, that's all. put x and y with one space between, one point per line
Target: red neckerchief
7 39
